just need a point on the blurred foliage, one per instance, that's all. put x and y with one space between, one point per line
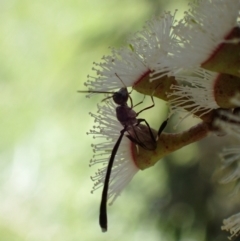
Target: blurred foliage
47 50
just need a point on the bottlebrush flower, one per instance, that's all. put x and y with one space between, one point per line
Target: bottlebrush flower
121 69
128 66
156 41
230 156
194 92
229 122
200 91
124 167
209 30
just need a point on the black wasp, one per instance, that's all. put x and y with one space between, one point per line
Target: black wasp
137 132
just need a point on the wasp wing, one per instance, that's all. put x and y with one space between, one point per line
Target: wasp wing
143 136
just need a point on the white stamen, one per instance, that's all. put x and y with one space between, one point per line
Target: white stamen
124 167
122 69
196 93
232 224
230 155
204 27
155 42
232 176
229 123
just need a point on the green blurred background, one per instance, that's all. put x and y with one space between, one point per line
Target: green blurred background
47 49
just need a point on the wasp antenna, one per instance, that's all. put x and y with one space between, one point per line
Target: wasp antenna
107 98
124 84
83 91
94 91
121 80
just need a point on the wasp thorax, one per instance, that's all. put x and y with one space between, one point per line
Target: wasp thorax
120 97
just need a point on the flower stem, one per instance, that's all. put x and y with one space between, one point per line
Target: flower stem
168 143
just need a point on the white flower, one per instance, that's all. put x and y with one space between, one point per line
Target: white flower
127 66
121 69
232 224
230 156
124 167
155 42
195 92
205 26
